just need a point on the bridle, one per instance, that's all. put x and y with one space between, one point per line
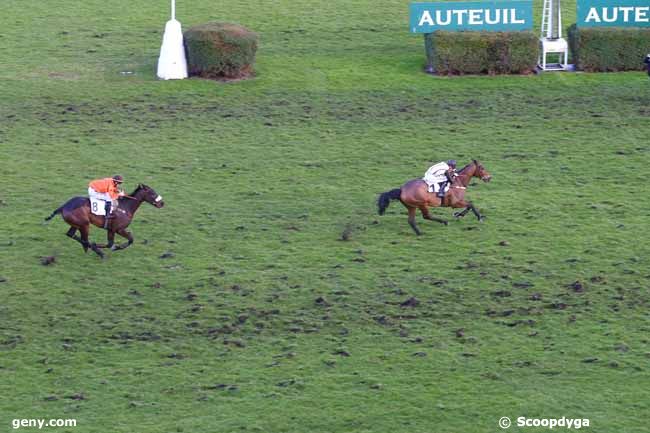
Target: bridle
483 178
478 168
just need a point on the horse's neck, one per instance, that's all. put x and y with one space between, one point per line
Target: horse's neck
465 175
131 205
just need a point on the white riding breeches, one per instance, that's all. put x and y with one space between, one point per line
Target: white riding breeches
102 196
99 195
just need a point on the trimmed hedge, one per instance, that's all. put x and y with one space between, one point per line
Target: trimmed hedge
600 49
482 52
220 50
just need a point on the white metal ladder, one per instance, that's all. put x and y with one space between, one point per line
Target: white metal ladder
551 37
545 19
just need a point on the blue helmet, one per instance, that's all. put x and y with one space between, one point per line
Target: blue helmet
451 163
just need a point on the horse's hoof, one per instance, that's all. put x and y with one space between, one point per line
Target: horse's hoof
481 219
446 223
114 248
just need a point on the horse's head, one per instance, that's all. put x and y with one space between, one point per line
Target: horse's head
150 196
481 172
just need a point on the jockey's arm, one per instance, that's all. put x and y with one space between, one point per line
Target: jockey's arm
114 193
451 174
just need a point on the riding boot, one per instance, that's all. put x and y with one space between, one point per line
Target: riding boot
441 191
109 214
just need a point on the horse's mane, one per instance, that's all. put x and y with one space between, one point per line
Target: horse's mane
138 188
474 162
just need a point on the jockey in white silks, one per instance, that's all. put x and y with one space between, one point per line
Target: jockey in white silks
438 175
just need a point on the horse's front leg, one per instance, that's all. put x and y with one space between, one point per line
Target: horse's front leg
480 217
126 235
110 237
458 204
468 206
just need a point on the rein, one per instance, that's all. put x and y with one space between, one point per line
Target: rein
460 173
129 214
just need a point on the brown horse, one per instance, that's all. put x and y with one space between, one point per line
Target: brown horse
76 212
415 194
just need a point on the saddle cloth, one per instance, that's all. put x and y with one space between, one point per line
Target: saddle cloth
97 206
432 188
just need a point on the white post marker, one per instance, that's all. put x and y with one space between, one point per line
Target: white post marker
172 64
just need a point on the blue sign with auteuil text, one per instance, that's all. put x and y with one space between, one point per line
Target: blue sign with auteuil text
613 13
496 16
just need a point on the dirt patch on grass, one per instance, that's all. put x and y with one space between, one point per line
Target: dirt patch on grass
66 76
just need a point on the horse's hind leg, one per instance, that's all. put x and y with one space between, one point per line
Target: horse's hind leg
412 221
84 241
71 234
427 215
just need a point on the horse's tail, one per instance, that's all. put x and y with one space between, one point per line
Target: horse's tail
384 199
58 211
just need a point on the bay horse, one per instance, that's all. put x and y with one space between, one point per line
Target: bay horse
76 212
415 194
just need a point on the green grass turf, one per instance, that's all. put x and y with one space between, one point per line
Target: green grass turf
263 319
